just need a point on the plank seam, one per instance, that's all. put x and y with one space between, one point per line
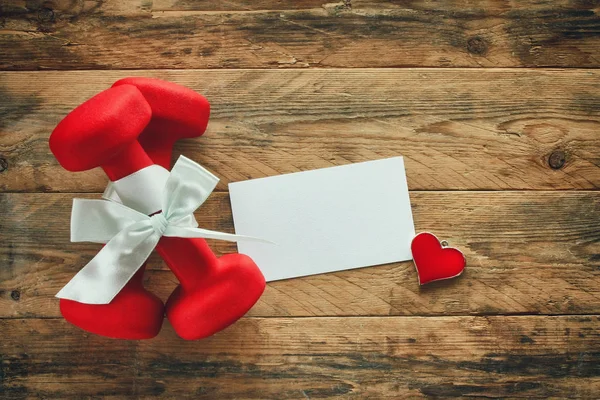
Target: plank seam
516 315
296 69
482 191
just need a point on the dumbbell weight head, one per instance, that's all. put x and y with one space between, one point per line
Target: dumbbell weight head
103 132
177 113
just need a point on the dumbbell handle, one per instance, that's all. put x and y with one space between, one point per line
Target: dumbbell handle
129 160
190 259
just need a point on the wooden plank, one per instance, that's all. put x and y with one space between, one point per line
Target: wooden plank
63 8
62 34
246 5
527 252
457 129
283 358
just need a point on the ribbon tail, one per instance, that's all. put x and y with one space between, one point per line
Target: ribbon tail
176 231
110 270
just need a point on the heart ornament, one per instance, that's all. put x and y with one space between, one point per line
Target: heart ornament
435 261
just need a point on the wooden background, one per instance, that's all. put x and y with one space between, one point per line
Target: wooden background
495 106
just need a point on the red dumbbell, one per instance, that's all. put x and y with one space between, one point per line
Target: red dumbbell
213 292
177 113
134 313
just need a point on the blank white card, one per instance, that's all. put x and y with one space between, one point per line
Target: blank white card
325 220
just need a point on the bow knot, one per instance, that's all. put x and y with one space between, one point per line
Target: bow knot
130 235
159 223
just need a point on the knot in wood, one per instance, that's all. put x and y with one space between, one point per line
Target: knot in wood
15 295
476 45
557 159
46 14
3 164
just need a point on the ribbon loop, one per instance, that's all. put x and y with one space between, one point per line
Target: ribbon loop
186 189
130 235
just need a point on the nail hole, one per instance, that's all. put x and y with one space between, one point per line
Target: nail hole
15 295
3 164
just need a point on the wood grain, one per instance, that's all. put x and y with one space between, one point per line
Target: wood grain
503 162
62 34
526 252
292 358
457 129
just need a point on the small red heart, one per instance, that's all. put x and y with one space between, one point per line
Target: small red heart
434 262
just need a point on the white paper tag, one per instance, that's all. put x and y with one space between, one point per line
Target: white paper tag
325 220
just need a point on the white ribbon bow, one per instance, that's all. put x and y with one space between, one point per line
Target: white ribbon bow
130 236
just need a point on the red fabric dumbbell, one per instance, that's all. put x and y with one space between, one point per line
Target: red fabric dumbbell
134 313
177 113
104 131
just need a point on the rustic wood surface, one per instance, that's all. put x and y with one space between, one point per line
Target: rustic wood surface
68 34
383 357
513 265
503 162
460 129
